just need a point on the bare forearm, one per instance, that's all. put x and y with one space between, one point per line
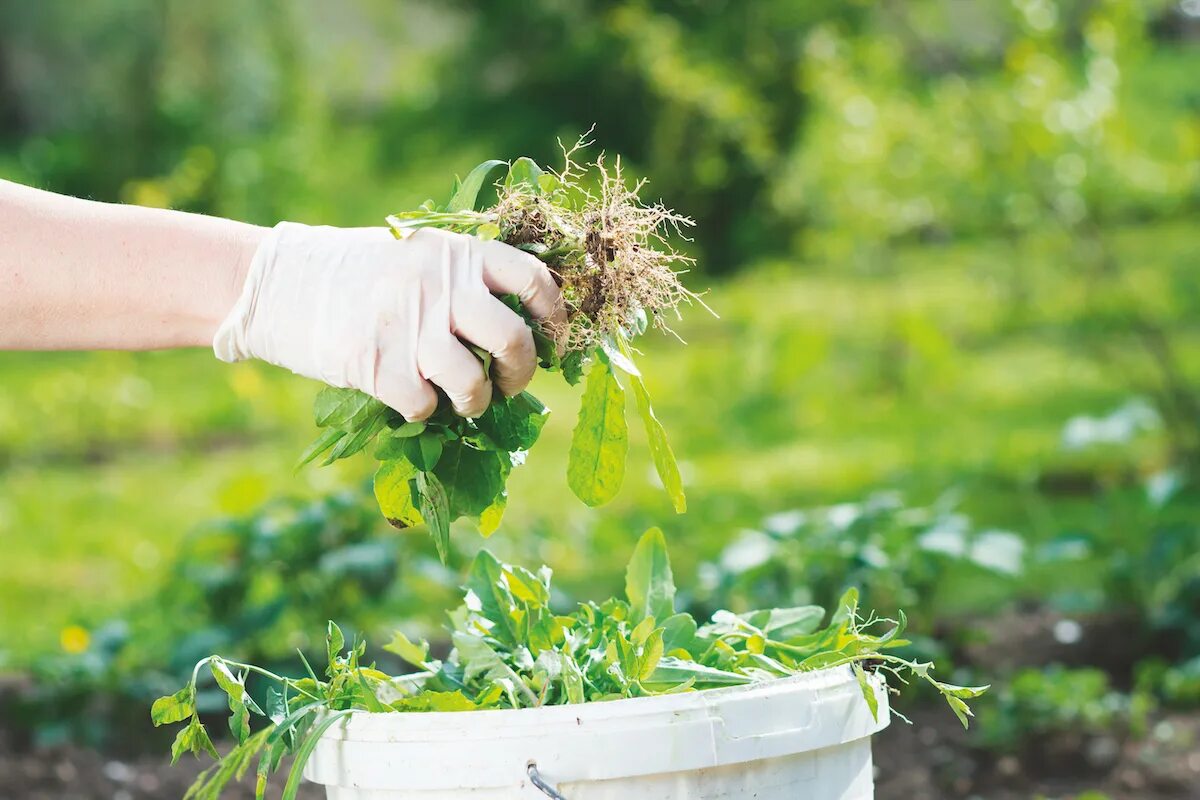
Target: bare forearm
76 274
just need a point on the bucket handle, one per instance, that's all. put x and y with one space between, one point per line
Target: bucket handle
537 780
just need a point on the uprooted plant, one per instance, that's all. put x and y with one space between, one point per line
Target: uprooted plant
619 275
511 650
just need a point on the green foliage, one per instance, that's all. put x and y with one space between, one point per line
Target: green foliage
446 467
511 650
897 554
244 586
1175 686
1036 703
597 460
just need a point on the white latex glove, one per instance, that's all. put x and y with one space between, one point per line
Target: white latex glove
355 307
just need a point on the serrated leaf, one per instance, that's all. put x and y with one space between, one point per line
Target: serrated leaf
596 462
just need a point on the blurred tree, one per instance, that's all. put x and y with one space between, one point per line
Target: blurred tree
703 95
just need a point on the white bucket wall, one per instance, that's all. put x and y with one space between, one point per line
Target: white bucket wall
802 737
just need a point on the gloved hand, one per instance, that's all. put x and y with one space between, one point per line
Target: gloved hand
357 308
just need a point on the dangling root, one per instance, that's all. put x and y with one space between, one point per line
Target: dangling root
609 252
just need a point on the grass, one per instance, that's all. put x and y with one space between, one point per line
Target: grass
816 386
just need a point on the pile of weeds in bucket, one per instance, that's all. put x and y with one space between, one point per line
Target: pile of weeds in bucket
512 650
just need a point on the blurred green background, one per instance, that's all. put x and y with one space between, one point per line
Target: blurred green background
954 246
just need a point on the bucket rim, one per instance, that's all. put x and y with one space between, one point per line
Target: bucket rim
374 726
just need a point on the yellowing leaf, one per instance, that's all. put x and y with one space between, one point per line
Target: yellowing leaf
596 463
394 493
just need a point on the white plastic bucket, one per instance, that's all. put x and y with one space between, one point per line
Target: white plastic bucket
806 737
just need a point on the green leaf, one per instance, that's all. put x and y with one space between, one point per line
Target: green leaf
391 443
651 654
596 463
415 654
435 510
649 584
235 689
524 170
964 692
358 439
660 448
335 406
960 709
393 491
466 194
423 451
276 705
868 690
572 366
514 423
487 580
305 751
193 739
656 436
679 632
335 641
328 438
473 478
174 707
488 231
436 701
847 607
787 623
489 520
671 671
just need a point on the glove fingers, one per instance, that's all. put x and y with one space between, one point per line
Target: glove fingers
488 323
399 385
507 270
445 362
